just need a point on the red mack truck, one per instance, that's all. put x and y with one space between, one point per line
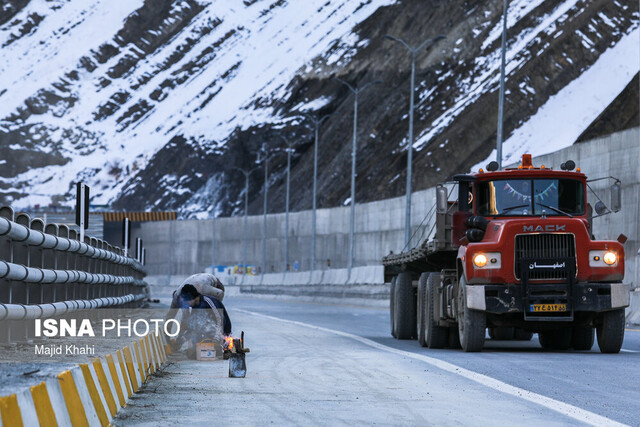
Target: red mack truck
516 253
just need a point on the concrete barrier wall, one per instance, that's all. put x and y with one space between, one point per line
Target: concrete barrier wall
365 286
181 248
379 229
633 312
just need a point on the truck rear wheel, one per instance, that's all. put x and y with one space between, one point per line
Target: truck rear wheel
435 336
610 331
421 307
392 302
472 324
582 338
405 307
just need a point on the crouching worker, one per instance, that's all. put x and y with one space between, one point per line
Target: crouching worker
203 315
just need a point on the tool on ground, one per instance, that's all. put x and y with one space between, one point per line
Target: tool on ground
236 351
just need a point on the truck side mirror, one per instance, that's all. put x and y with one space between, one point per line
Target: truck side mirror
601 208
442 199
616 196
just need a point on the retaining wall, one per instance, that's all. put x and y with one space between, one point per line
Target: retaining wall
365 286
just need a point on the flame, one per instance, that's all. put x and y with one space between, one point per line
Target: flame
229 342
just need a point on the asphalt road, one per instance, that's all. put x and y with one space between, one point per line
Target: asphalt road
320 364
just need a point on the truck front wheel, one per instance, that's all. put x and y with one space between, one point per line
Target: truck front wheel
405 307
610 331
472 324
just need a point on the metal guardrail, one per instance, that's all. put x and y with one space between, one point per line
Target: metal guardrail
45 271
39 311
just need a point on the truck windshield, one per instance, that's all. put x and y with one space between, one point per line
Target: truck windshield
528 197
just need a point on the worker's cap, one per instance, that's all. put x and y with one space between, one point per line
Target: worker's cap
189 293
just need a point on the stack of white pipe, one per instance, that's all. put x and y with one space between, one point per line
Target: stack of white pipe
21 273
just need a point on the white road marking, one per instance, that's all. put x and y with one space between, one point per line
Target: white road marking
566 409
630 351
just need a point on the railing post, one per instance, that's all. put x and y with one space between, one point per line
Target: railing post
21 293
6 286
104 287
86 262
21 255
36 259
111 269
62 262
72 264
93 268
5 254
50 261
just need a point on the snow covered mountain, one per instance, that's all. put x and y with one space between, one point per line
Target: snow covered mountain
154 102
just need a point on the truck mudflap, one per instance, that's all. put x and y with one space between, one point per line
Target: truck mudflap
510 298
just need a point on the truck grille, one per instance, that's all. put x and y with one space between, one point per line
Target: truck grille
545 247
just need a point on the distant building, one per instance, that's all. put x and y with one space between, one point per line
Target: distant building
113 222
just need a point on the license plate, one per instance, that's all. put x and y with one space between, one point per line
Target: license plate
540 308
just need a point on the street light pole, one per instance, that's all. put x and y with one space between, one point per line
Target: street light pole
289 145
502 84
414 53
264 209
245 225
286 222
246 222
356 91
317 121
213 241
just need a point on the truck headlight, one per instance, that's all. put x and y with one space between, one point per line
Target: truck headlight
487 260
603 258
610 258
480 260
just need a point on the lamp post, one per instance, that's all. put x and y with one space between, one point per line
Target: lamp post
246 173
213 241
317 121
502 84
264 157
289 145
414 53
356 92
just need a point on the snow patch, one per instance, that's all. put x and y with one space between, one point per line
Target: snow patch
566 115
